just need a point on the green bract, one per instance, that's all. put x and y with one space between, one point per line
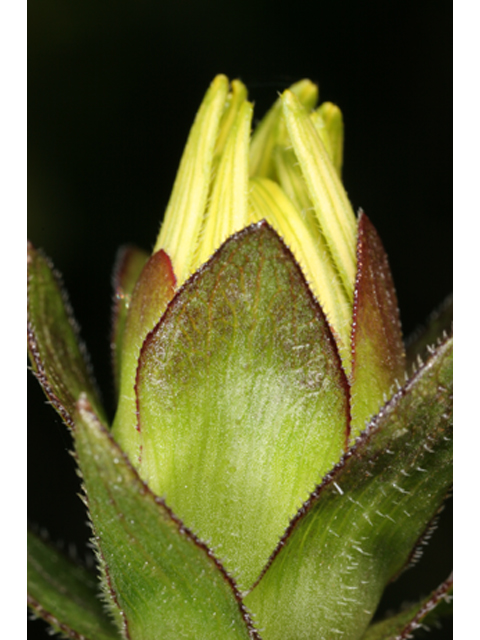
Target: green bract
275 459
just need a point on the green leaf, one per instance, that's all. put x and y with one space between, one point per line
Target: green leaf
242 400
417 616
65 594
153 291
163 582
57 357
128 266
378 355
358 529
425 338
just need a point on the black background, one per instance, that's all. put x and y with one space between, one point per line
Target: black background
113 89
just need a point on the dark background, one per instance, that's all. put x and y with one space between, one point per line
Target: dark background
113 89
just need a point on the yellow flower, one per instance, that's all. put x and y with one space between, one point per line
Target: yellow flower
254 460
287 173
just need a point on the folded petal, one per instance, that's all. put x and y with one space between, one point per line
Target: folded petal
331 131
184 215
334 211
268 130
227 210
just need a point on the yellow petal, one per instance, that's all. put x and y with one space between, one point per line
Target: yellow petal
269 202
290 178
332 207
185 210
267 134
328 121
227 210
234 101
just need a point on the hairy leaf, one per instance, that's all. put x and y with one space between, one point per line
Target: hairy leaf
65 594
427 336
242 399
163 582
58 359
416 616
358 529
378 355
